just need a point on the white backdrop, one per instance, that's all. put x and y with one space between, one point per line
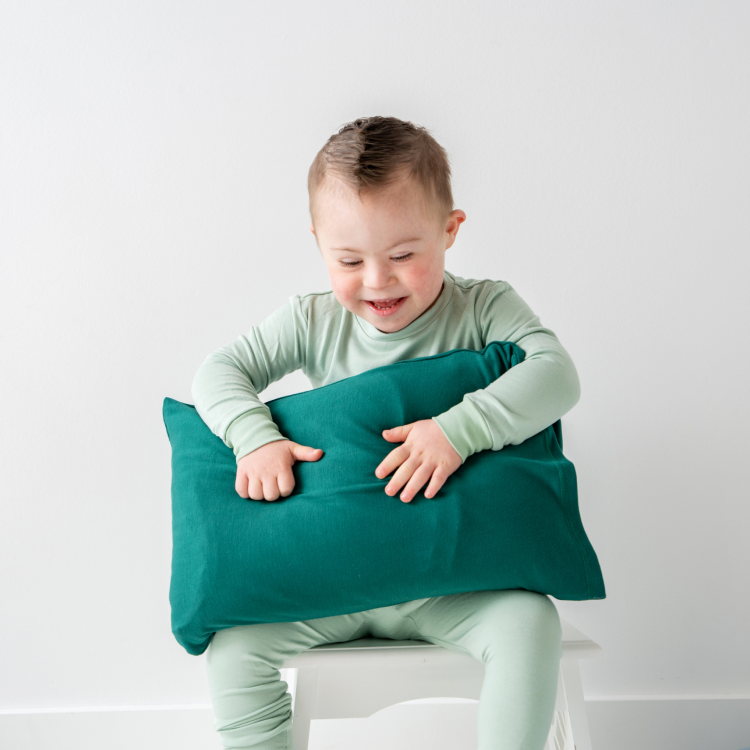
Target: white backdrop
153 206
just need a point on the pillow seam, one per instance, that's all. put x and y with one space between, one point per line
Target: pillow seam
564 504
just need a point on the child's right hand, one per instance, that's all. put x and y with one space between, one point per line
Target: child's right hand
266 472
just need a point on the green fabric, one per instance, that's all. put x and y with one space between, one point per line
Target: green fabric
338 544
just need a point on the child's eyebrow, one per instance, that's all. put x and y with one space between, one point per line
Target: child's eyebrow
351 250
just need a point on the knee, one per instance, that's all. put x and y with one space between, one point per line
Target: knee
225 651
239 648
536 611
526 616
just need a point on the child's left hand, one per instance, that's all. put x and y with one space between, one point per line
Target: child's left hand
425 453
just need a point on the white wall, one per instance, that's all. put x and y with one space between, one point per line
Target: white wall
153 206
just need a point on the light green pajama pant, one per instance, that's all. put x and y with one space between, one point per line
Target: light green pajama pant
516 633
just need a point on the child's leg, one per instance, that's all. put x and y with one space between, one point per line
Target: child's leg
517 635
252 708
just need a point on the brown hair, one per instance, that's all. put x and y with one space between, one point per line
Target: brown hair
370 153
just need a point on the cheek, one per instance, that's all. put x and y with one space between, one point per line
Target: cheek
419 279
344 287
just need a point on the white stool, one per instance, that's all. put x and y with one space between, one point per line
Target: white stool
358 678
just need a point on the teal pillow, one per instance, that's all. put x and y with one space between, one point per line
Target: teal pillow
338 544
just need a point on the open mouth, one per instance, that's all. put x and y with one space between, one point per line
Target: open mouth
385 307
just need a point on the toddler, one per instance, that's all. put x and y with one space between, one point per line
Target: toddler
383 218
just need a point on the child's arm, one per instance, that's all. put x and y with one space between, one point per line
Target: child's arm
525 400
226 386
225 392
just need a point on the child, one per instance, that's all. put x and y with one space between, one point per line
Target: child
383 217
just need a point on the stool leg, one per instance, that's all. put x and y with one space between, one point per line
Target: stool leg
560 734
304 703
576 706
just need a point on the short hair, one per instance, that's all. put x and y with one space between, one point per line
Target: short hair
371 153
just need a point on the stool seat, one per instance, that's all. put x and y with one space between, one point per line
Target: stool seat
355 679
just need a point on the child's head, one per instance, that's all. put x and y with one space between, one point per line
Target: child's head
383 217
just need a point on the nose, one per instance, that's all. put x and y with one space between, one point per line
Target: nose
378 276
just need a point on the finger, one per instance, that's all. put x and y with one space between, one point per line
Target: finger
270 488
401 477
399 433
417 481
286 483
393 460
306 453
438 480
254 488
240 485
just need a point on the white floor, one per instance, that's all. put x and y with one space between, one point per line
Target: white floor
615 725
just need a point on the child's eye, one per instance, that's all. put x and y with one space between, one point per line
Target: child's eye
400 259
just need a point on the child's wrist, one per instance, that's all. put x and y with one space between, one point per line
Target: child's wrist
465 429
250 431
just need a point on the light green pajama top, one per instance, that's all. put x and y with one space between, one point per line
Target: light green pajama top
316 334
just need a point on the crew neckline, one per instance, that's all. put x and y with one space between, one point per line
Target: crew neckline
416 325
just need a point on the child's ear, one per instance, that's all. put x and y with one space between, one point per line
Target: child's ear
312 228
457 217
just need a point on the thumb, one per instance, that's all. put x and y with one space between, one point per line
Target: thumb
396 433
306 453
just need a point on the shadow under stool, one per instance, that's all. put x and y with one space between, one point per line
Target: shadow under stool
357 678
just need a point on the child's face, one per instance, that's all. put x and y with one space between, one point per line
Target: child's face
395 247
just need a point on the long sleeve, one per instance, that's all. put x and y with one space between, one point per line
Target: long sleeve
523 401
226 386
